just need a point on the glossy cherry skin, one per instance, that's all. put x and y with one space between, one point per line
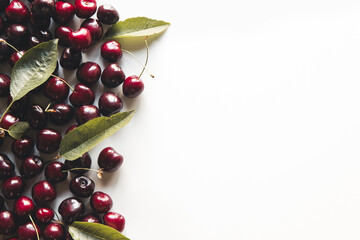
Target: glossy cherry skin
36 117
70 59
61 114
43 192
44 8
80 40
111 51
92 218
110 160
107 14
62 32
71 127
54 231
86 113
13 187
82 186
88 73
39 36
112 76
27 231
44 215
39 22
85 8
48 140
4 85
82 95
64 12
22 147
4 51
133 86
17 11
19 107
55 172
56 89
7 167
71 209
8 121
100 202
114 220
15 56
24 206
82 162
16 34
7 222
31 166
95 28
109 103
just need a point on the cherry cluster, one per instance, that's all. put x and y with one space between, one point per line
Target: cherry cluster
24 25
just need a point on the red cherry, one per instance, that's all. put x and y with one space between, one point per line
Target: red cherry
133 86
24 206
114 220
85 8
80 40
64 12
44 215
17 11
43 192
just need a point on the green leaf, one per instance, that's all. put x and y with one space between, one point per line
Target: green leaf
136 27
94 231
18 129
88 135
33 68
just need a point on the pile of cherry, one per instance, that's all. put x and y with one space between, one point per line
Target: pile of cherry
24 25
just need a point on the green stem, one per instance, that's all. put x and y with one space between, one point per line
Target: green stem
147 56
6 110
33 223
63 81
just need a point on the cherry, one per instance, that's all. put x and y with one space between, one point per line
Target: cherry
4 51
56 89
15 56
86 113
31 166
109 103
27 232
39 36
111 51
4 85
92 218
82 162
16 34
64 12
39 22
95 28
71 209
13 187
100 202
55 172
82 95
71 127
107 14
44 215
82 186
24 206
80 40
88 73
7 167
22 147
85 8
61 114
133 86
8 121
44 8
114 220
70 59
112 76
54 231
48 140
17 11
36 117
7 222
19 106
62 32
43 192
110 160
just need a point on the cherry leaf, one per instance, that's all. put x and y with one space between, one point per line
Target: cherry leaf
18 129
94 231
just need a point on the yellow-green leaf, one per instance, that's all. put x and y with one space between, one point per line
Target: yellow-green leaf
94 231
18 129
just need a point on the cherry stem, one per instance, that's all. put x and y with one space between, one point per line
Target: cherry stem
33 223
63 81
99 172
2 40
6 110
147 57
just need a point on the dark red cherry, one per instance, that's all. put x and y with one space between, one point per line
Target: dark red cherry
100 202
13 187
111 51
24 206
112 76
56 89
62 32
19 107
15 56
110 160
80 40
44 8
7 167
4 85
95 28
27 232
8 121
109 103
70 59
91 218
88 73
86 113
4 51
82 95
71 209
39 36
55 172
82 186
17 11
44 215
48 140
64 12
31 166
71 127
43 192
54 231
114 220
107 14
61 114
133 86
16 34
85 8
22 147
83 162
7 222
39 22
36 117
